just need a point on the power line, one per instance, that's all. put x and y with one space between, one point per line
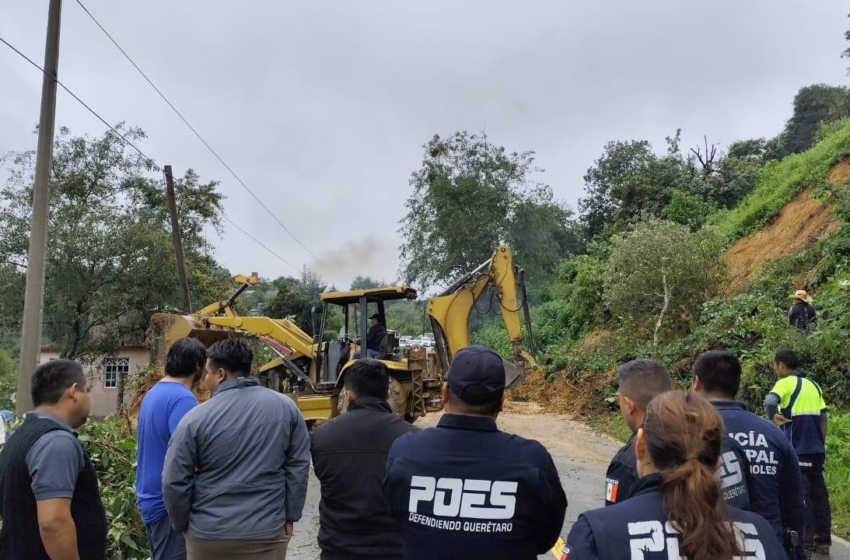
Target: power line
201 138
84 104
258 242
149 160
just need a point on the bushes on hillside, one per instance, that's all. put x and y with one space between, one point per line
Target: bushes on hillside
660 273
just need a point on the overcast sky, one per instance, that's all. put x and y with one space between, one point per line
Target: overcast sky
322 107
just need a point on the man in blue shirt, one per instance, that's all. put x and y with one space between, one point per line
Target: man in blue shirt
162 408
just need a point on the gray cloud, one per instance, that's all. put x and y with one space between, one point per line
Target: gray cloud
322 107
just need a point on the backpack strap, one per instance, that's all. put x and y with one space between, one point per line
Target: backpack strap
787 411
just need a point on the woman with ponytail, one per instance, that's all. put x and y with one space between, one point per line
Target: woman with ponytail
676 510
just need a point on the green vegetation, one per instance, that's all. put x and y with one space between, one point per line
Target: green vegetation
781 181
661 271
111 444
637 273
838 471
468 196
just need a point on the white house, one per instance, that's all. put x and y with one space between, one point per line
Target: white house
104 374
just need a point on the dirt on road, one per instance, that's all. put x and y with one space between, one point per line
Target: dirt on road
580 455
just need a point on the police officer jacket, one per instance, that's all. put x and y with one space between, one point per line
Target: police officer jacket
638 529
734 474
776 486
466 490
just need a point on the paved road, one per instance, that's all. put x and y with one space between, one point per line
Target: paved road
580 455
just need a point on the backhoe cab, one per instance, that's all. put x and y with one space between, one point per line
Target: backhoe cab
356 307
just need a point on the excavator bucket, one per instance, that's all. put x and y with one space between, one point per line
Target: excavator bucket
165 328
512 373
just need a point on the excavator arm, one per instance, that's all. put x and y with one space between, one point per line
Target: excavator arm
219 321
450 311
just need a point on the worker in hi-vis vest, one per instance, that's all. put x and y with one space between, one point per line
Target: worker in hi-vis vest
796 405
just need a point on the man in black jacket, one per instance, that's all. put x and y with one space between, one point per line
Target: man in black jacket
349 454
802 314
49 497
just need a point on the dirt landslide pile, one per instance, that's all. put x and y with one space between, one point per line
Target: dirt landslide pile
559 395
802 222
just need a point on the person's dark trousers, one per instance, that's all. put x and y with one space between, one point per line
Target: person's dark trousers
341 556
165 542
816 498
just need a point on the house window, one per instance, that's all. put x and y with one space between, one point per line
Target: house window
112 369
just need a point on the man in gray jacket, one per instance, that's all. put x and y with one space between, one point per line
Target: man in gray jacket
236 470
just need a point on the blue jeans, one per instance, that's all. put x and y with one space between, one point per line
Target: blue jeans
165 542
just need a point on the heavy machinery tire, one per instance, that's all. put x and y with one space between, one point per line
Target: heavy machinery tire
342 403
398 398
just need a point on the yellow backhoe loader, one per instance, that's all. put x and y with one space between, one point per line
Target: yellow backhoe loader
311 370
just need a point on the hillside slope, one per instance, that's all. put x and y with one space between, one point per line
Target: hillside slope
799 224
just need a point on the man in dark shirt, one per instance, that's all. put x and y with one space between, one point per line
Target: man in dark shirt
375 337
639 382
349 455
802 314
467 490
776 484
49 496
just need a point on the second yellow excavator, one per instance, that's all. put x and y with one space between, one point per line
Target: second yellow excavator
311 370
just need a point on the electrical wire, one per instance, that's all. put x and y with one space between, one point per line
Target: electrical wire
258 242
201 138
84 104
149 160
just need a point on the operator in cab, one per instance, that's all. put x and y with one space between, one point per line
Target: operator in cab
676 509
375 337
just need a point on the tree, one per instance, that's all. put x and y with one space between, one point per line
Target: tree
747 149
846 53
407 318
292 301
687 209
814 105
468 197
629 181
311 285
661 271
366 283
621 165
110 262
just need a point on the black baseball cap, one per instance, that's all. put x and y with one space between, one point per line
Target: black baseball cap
477 366
375 316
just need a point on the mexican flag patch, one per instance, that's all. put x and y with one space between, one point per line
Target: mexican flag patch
611 486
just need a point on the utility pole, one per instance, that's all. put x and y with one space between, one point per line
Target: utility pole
34 295
182 280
